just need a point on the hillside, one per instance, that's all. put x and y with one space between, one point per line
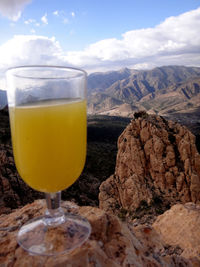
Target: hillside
100 81
168 91
164 91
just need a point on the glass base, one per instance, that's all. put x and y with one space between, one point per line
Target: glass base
37 237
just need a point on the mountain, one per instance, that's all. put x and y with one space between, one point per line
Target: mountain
171 91
138 85
3 99
99 81
163 90
179 97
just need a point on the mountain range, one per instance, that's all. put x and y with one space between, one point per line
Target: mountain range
163 90
171 91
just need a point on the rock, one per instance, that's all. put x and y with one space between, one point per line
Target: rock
180 226
112 243
14 192
157 165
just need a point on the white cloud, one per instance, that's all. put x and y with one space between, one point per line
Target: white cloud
30 49
32 22
29 21
56 13
61 14
44 19
174 41
13 8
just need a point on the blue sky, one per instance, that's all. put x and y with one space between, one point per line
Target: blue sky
100 35
78 23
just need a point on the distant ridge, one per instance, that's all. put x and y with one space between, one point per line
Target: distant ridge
99 81
162 90
167 91
3 99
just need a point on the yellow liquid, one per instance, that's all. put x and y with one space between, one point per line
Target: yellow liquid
49 143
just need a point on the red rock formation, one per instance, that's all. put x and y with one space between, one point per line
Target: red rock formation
157 164
112 243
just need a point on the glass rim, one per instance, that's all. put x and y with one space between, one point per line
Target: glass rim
59 67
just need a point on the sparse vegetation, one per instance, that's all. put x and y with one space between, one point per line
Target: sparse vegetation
141 114
103 133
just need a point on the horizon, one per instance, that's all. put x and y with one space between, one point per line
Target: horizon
118 70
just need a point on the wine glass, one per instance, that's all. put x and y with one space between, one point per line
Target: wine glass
47 109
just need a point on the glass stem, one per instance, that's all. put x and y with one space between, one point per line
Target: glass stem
54 214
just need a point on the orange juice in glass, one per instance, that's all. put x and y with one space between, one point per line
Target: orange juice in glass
47 109
49 143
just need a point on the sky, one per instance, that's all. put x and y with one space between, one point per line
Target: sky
99 35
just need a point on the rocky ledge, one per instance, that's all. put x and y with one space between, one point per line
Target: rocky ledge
112 242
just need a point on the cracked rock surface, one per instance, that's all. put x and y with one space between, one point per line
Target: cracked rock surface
157 166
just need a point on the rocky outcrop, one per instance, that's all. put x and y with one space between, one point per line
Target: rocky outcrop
157 166
112 243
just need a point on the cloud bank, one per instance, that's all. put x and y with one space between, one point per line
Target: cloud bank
12 8
174 41
30 49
